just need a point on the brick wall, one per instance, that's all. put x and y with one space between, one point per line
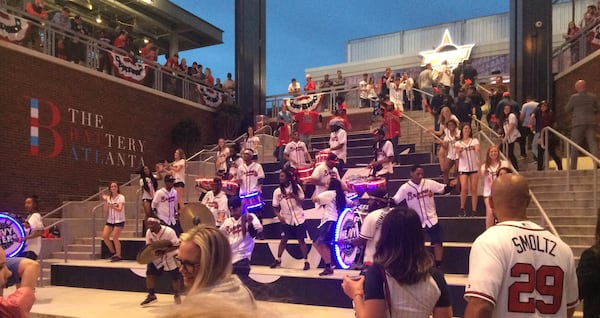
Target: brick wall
91 129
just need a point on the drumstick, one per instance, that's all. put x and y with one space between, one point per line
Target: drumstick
361 164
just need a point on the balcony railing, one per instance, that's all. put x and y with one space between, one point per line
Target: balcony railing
576 48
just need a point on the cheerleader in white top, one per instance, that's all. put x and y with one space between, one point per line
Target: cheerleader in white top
252 142
177 170
149 185
451 136
221 158
114 206
445 116
489 171
467 150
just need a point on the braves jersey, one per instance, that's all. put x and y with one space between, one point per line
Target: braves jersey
323 174
419 197
167 260
371 231
468 158
297 153
164 202
241 246
290 209
450 140
221 161
385 151
327 205
523 270
337 138
248 176
216 203
489 175
115 216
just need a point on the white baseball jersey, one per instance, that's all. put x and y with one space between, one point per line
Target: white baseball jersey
241 246
326 202
450 141
468 159
371 231
336 138
115 216
179 176
297 152
252 143
512 120
248 176
489 175
167 260
523 270
290 210
385 151
221 159
235 164
164 202
216 203
35 224
145 194
419 197
323 174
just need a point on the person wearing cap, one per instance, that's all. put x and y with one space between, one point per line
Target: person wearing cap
216 201
370 230
164 204
323 173
250 177
309 87
418 194
165 260
338 143
383 152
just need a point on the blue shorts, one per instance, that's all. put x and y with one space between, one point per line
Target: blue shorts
12 264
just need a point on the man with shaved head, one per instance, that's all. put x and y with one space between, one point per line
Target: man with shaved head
584 106
517 268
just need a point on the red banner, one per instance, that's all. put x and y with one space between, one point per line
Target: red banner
12 28
127 68
309 102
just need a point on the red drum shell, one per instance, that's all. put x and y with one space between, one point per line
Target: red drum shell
305 174
230 187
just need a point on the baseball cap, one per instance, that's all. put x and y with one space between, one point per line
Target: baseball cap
169 178
505 94
332 157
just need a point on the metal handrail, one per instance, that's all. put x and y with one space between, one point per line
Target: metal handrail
422 92
94 230
479 86
544 134
534 199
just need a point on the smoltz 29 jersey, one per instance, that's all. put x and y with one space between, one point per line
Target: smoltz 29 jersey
523 270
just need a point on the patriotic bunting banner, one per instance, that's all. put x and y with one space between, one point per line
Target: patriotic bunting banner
127 68
309 102
209 96
12 28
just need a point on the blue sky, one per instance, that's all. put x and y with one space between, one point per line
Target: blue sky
304 34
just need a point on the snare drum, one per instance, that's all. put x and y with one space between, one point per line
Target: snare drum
373 184
321 156
251 201
230 187
360 185
304 174
357 184
204 183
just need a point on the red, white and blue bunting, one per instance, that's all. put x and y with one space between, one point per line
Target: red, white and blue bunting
12 28
304 102
209 97
127 68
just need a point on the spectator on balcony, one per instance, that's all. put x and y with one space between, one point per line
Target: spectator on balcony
294 88
208 78
121 42
589 17
36 9
61 19
325 86
363 91
372 93
229 85
103 61
383 82
339 81
193 70
571 36
218 85
183 67
584 107
309 87
76 53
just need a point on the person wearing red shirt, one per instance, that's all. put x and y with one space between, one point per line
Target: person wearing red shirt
391 124
282 140
309 88
306 124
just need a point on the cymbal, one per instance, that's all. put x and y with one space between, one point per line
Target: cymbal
148 253
193 214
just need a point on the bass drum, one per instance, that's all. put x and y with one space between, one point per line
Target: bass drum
347 229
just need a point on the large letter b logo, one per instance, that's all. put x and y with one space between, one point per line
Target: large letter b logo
35 126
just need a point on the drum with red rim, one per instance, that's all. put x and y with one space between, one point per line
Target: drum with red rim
251 201
230 187
304 174
204 183
321 156
360 185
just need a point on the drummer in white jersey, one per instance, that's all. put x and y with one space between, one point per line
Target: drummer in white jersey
250 176
287 204
384 156
517 268
467 149
296 153
165 202
216 201
323 174
370 231
418 193
165 261
338 140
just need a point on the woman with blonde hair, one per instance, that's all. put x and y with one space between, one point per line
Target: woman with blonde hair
114 206
446 156
489 172
205 264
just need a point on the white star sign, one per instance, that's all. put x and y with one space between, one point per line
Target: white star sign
447 51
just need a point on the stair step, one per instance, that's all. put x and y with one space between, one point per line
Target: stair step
83 247
587 230
566 220
542 196
588 240
76 255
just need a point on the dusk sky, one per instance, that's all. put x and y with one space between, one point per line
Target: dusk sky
305 34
